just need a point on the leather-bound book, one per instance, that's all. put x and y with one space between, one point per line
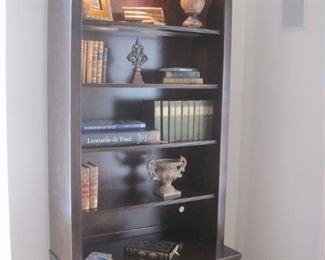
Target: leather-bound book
151 249
93 185
84 188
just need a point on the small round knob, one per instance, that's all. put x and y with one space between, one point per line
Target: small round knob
181 209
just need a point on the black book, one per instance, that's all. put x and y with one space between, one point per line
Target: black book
151 249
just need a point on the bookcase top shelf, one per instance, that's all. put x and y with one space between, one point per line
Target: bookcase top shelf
149 146
146 29
143 197
157 86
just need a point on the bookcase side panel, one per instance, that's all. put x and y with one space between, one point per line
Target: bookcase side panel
227 18
64 213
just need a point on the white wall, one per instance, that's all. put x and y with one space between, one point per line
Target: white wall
4 194
275 182
27 131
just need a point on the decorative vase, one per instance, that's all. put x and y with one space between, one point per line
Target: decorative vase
192 8
166 171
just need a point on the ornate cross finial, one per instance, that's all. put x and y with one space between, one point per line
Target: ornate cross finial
137 57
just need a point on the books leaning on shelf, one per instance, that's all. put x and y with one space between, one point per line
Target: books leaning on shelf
181 120
108 133
89 187
93 62
181 76
152 249
99 256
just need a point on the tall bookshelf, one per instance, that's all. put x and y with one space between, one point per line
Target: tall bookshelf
127 207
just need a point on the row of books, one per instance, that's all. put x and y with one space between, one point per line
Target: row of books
94 57
124 132
181 76
89 187
190 120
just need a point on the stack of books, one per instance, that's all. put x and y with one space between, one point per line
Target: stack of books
183 120
93 62
181 76
124 132
89 187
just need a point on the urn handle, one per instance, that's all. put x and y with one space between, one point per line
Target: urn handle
184 164
151 169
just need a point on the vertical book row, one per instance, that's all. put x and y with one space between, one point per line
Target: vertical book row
189 120
93 62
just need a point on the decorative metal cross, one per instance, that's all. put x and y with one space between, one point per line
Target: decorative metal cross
137 57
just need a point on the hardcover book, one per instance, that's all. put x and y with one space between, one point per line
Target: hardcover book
108 125
152 249
185 121
83 60
165 120
105 60
90 47
182 74
178 121
177 69
85 181
93 185
120 138
202 120
182 80
197 105
191 120
99 76
171 117
99 256
94 62
210 119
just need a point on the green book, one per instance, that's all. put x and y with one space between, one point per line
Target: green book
197 116
178 121
152 114
210 120
202 120
172 114
204 111
185 121
165 120
190 120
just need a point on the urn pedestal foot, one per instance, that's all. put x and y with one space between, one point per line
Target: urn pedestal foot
168 192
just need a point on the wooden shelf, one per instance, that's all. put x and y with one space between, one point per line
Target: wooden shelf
191 248
143 197
146 29
154 86
149 146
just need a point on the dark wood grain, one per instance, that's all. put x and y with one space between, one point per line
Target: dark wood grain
155 86
149 146
127 206
143 197
63 127
224 120
142 29
191 248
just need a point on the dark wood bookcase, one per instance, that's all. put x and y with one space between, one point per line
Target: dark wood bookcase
127 206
